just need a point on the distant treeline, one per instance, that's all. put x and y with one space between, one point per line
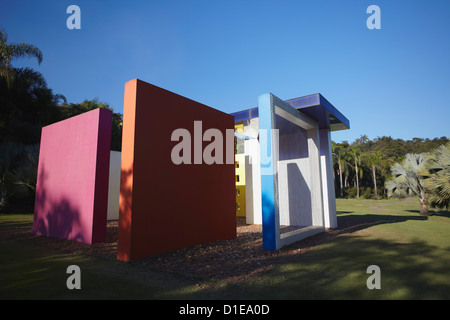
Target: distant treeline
27 105
362 166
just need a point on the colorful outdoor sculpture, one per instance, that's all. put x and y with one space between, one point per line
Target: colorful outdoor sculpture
181 183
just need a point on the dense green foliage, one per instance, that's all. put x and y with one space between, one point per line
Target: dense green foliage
28 105
406 180
425 175
435 173
361 168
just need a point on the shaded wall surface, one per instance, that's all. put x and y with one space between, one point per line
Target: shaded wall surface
114 185
164 206
72 181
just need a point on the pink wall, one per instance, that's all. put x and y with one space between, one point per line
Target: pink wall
72 182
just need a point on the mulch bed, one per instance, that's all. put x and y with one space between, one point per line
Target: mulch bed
230 260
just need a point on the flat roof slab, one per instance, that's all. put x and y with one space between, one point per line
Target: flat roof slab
314 106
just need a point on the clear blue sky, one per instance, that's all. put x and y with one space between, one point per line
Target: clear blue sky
389 82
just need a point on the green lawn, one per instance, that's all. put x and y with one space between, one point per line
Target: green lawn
412 253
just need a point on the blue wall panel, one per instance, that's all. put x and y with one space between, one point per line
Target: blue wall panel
267 172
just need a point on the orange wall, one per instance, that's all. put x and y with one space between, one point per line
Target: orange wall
164 206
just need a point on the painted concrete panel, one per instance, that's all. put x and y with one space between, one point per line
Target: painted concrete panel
295 196
270 217
164 206
114 185
253 182
328 191
72 180
240 185
291 181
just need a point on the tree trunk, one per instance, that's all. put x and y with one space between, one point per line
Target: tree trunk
357 180
375 182
423 207
340 180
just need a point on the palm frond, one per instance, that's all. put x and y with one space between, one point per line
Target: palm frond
10 51
3 35
23 49
405 177
436 175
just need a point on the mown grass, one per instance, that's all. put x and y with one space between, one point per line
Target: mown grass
413 254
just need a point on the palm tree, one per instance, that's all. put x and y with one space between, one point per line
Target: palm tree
339 160
18 170
25 174
361 140
374 160
10 155
342 157
436 175
10 51
407 181
356 152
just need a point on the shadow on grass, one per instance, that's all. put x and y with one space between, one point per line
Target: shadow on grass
339 271
244 259
352 223
303 270
442 213
445 214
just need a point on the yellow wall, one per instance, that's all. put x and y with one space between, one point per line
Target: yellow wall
240 184
239 128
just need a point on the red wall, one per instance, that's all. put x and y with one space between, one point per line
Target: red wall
164 206
72 181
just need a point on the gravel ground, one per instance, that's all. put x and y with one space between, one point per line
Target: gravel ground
232 260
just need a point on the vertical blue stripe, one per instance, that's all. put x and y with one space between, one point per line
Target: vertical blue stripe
267 176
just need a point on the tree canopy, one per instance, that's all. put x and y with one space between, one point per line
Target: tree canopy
11 51
361 168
